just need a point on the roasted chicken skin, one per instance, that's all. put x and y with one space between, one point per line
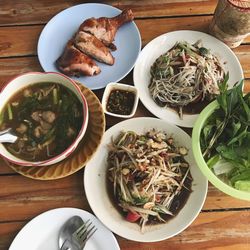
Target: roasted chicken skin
105 28
75 63
93 47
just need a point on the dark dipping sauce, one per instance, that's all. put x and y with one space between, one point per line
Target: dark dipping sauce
195 108
120 102
190 109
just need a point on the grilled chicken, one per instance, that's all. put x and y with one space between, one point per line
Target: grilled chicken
105 28
75 63
93 47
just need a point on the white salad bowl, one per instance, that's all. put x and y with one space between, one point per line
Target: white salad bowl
164 43
99 197
27 79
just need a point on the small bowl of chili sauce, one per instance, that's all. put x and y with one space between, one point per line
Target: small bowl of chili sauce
120 100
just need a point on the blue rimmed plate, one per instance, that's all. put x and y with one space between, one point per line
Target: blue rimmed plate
63 26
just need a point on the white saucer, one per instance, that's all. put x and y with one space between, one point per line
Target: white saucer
42 231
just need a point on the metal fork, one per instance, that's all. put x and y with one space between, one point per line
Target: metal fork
83 233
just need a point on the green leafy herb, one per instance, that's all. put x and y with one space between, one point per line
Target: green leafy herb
140 201
226 136
203 51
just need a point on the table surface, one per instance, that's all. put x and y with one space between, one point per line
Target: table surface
223 222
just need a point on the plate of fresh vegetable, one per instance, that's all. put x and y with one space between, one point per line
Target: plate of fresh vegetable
143 183
221 141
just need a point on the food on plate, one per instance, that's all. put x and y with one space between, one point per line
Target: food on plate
149 176
186 74
47 118
93 47
104 28
93 40
225 137
120 102
74 63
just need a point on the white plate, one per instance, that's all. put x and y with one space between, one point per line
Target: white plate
42 232
96 188
63 26
161 45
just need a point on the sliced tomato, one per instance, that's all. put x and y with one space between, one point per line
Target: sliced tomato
132 217
158 198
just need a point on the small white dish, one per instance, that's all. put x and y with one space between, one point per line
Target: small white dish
161 45
42 231
119 86
95 184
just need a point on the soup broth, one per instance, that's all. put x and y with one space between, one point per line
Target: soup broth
46 117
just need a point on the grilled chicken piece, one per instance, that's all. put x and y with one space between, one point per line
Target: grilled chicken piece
105 28
75 63
93 47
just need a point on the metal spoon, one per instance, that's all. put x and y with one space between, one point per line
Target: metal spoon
66 232
7 135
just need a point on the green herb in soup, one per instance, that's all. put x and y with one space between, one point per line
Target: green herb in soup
47 118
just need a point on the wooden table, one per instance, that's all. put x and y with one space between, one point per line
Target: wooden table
223 222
